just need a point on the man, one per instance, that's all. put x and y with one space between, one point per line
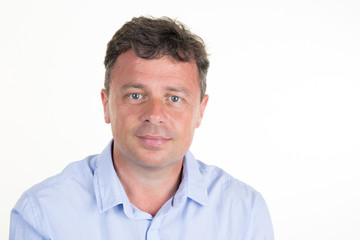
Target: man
146 184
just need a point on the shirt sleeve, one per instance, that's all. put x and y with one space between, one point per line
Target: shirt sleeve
24 224
260 225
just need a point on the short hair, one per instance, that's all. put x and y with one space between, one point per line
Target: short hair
153 38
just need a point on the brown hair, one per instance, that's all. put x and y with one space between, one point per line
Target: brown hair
153 38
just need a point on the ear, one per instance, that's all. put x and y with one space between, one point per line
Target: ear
105 102
202 109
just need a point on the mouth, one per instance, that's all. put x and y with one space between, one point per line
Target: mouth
153 142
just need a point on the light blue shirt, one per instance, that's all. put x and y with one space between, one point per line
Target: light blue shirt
87 201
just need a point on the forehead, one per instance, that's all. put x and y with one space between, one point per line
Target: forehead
165 70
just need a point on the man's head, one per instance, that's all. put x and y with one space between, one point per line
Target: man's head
153 67
152 38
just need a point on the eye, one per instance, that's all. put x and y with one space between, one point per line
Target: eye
135 96
175 99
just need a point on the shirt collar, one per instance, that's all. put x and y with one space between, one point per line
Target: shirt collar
193 184
109 191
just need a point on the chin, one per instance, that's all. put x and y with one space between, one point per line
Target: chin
151 161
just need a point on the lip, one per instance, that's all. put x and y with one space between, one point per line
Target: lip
153 142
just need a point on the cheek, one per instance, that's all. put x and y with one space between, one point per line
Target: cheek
121 120
185 122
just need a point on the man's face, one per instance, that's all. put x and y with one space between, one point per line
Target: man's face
153 108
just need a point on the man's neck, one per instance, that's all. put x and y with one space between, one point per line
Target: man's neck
148 188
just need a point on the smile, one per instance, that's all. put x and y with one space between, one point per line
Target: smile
153 142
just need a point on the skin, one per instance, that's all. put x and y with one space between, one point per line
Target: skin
153 107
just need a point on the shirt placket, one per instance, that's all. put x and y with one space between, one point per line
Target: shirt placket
153 230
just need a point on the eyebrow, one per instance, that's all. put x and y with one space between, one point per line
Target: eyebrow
132 85
142 87
179 89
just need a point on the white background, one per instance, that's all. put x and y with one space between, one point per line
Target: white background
283 115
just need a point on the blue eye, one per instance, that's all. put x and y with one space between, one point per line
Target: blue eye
175 99
135 96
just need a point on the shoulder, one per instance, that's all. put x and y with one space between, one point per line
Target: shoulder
235 200
75 177
220 183
239 202
79 172
52 197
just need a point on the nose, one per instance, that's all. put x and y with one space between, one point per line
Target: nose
154 112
